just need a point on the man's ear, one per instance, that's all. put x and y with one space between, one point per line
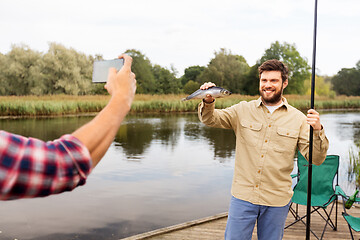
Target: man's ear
285 83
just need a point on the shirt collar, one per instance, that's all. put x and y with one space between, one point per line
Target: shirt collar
284 103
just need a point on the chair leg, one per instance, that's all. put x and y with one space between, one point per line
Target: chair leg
294 212
352 237
336 214
328 221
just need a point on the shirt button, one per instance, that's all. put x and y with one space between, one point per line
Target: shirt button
287 134
269 125
268 111
250 126
259 171
257 186
262 155
266 141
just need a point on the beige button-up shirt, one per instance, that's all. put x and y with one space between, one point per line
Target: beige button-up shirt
265 147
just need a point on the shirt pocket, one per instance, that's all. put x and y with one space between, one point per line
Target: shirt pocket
250 132
285 140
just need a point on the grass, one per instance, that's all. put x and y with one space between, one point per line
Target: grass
50 105
55 105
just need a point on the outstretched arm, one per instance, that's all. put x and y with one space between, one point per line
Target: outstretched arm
99 133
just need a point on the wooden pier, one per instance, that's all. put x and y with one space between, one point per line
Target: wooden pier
212 228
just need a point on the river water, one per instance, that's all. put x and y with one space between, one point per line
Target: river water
160 170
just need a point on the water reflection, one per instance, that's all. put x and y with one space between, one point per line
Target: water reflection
134 137
342 130
43 128
160 170
138 134
222 141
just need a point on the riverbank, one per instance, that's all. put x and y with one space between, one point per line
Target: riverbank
57 105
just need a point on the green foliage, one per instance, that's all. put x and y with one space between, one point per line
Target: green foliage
354 166
191 86
347 81
322 88
60 70
63 70
166 81
251 83
67 71
191 73
142 68
20 71
299 70
153 79
50 105
226 70
3 79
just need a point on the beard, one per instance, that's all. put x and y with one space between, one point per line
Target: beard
275 98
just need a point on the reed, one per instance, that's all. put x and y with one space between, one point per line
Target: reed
50 105
66 105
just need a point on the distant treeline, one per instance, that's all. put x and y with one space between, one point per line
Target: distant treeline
62 70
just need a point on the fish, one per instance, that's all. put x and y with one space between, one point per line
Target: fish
215 92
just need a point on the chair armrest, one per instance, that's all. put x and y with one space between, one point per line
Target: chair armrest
339 191
294 175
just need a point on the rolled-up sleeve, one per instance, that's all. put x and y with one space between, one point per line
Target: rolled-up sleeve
32 168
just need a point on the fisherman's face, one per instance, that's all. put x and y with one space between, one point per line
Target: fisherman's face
271 87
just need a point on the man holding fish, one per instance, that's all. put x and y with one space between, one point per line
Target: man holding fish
268 132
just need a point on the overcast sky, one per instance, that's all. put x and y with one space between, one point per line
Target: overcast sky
186 32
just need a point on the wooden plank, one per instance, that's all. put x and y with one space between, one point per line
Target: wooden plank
213 228
177 227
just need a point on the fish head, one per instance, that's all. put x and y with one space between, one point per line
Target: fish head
225 92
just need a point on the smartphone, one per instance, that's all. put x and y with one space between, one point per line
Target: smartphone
101 69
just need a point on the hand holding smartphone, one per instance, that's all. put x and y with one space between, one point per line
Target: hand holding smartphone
101 69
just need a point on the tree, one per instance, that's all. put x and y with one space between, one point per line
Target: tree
67 71
20 72
191 86
191 73
322 88
299 70
251 83
347 81
143 70
166 81
226 70
3 80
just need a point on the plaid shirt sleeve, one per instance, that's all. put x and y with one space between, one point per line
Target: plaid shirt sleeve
32 168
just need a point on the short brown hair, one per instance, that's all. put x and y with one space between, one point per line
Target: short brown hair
275 65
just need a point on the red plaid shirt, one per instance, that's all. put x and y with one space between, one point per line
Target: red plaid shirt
31 168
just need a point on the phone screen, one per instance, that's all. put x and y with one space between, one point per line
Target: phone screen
101 69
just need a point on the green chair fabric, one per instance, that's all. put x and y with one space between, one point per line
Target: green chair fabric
322 190
354 222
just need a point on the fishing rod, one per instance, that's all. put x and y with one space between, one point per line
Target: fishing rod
308 205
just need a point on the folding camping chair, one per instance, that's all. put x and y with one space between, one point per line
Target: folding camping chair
322 191
353 222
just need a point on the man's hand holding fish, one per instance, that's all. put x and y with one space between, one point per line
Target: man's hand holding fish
208 91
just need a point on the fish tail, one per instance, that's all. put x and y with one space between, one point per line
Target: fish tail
184 99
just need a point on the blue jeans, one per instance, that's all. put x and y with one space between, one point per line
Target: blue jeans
243 216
